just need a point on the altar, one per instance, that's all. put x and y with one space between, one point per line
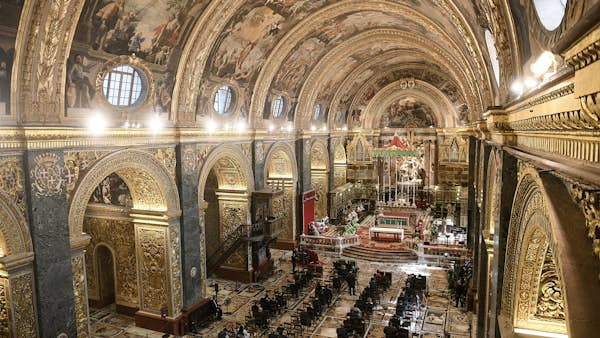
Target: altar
397 232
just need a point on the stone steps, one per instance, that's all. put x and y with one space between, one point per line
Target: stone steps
378 255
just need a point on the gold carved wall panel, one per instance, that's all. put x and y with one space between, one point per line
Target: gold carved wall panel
22 306
118 235
4 308
79 291
12 181
152 256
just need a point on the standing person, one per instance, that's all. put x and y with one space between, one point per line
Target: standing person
351 280
294 258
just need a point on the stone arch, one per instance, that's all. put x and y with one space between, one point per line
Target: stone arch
234 177
152 187
16 273
155 219
236 157
442 108
14 234
319 165
281 172
544 222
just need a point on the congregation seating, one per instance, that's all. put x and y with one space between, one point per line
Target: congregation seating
408 301
355 322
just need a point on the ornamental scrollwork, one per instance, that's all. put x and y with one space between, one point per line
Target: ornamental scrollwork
550 302
81 307
76 164
4 306
11 180
24 323
589 202
153 276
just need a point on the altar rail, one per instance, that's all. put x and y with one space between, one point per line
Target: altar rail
331 244
441 254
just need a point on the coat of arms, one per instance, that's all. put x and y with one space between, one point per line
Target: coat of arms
46 176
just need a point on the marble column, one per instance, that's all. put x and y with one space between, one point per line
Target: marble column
49 227
191 229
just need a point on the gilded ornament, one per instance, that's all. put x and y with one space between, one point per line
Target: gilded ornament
190 160
11 180
22 305
81 299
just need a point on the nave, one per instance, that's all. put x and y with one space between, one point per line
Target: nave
437 315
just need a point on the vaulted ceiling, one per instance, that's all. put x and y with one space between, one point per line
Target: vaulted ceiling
351 58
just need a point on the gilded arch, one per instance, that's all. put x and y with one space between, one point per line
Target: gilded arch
442 107
151 186
281 172
533 255
228 156
17 305
319 162
14 234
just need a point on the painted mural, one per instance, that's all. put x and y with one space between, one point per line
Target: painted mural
253 32
408 113
112 190
430 74
149 28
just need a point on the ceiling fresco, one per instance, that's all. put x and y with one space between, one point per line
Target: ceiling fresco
263 48
408 113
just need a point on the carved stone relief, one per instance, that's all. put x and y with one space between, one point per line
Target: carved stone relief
81 301
119 236
4 308
152 260
22 308
46 176
11 180
76 164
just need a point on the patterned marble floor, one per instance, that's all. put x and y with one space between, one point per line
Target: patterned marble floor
436 318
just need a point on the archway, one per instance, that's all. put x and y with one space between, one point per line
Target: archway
551 275
127 201
105 266
225 186
281 173
319 165
17 306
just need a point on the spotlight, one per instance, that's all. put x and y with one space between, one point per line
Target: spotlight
531 83
543 63
96 124
155 124
226 126
324 128
211 125
241 125
126 124
517 88
271 127
290 128
345 127
313 128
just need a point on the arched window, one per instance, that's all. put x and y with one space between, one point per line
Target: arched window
489 40
278 106
550 12
223 99
317 114
123 86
